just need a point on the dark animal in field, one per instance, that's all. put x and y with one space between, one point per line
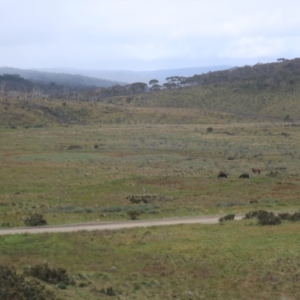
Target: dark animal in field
244 175
252 201
255 171
222 174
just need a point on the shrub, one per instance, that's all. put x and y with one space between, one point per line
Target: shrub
73 147
62 286
5 224
291 217
253 214
268 218
108 291
45 273
228 217
35 220
284 216
295 217
15 286
134 214
264 217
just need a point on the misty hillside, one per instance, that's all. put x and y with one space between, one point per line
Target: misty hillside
265 91
127 76
63 79
283 73
262 92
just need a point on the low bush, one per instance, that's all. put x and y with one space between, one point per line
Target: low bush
284 216
108 291
45 273
268 218
253 214
295 217
230 204
73 147
15 286
5 224
35 220
229 217
134 214
144 208
148 198
264 217
62 286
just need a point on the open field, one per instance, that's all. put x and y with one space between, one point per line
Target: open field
85 173
236 260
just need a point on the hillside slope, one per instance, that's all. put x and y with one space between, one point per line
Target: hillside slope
264 92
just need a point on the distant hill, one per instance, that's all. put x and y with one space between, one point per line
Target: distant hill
270 75
127 76
263 91
63 79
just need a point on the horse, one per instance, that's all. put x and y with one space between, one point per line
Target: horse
245 175
255 171
222 174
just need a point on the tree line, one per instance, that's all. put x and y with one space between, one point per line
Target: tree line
271 75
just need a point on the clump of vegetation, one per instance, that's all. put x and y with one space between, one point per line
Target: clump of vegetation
134 214
16 286
5 224
254 214
268 218
45 273
284 216
108 291
295 217
264 217
35 220
73 147
229 217
148 198
290 217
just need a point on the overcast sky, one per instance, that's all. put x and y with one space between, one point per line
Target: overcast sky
147 34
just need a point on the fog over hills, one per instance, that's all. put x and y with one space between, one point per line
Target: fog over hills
103 78
59 78
127 76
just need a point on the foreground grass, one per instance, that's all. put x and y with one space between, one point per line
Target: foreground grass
236 260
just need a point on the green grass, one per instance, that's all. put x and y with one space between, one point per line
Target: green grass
149 147
39 174
236 260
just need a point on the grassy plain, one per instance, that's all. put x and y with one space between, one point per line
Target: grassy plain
84 168
85 173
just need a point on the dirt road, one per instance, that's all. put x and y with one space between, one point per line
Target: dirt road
114 225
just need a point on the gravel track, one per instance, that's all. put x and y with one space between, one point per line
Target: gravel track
114 225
